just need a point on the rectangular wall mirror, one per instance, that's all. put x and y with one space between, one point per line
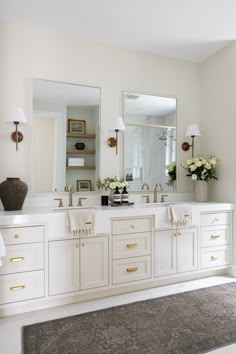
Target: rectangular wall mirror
65 136
150 140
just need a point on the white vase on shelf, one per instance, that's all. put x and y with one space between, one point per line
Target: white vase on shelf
201 191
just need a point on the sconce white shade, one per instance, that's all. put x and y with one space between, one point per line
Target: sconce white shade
16 115
193 130
119 125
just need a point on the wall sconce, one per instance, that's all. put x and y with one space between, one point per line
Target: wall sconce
16 116
113 142
192 131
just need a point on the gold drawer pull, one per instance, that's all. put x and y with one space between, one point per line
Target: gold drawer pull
88 222
16 236
17 287
132 226
214 258
215 220
132 245
134 269
17 259
215 236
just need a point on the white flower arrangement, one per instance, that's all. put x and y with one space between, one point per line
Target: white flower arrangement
111 183
171 170
201 168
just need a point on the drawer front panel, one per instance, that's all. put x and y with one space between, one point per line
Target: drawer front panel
215 235
132 245
16 235
128 226
24 257
131 269
215 257
22 286
215 219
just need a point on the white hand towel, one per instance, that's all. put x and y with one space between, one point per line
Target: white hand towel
2 248
80 222
179 215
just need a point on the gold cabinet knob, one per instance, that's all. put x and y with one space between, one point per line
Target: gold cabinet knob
77 245
83 244
214 258
16 236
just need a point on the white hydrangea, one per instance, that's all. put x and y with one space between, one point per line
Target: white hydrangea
192 167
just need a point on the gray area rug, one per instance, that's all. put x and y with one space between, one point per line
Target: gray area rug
193 322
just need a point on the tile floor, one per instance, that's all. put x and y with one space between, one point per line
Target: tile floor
10 327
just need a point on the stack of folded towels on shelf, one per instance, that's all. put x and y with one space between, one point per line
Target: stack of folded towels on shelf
75 161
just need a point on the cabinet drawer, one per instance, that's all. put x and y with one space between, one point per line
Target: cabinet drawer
215 256
131 269
24 257
215 219
132 245
128 226
22 286
215 235
15 235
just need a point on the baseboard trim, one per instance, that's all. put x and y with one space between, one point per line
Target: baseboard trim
232 271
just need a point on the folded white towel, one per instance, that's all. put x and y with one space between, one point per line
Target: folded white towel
80 222
2 248
179 216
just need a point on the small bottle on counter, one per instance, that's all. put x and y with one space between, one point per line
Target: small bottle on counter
117 196
125 196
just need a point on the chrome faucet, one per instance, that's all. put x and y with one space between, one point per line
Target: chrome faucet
70 196
155 192
145 185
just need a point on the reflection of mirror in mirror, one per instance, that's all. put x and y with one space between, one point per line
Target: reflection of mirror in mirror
65 131
150 140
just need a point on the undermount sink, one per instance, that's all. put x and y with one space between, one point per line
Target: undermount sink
158 205
73 207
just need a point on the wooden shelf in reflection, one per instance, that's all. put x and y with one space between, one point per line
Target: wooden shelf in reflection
81 152
80 167
84 136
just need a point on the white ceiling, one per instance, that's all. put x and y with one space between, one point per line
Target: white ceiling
185 29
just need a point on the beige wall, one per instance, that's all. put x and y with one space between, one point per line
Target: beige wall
218 119
218 122
28 53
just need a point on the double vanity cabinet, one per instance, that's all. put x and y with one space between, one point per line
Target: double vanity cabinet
134 248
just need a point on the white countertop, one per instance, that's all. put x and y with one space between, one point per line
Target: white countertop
54 218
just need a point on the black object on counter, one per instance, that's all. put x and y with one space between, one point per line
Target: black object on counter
104 200
12 193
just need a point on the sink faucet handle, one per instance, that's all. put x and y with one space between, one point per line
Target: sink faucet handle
163 197
147 198
60 204
80 201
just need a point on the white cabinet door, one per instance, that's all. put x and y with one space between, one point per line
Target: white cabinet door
165 253
187 250
94 262
63 266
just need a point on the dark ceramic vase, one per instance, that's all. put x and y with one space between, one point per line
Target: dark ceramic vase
80 146
12 193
